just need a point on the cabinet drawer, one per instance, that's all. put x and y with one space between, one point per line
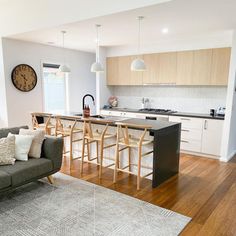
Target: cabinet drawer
191 134
187 122
190 145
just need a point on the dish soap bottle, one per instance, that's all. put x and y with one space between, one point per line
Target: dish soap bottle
85 112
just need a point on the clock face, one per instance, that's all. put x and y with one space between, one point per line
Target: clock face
24 77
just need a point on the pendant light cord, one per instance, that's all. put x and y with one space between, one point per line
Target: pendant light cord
139 33
139 18
63 45
97 48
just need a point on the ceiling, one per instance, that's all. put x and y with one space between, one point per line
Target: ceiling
18 16
184 18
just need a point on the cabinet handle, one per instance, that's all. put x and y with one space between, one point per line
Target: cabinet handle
149 84
205 124
185 130
184 141
184 119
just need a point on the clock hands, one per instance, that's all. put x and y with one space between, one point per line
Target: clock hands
24 77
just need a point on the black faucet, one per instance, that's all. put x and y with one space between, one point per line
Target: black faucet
88 95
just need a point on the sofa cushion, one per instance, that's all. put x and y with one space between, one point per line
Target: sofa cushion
25 171
5 179
22 146
36 146
15 130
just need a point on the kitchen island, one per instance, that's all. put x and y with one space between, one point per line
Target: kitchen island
166 142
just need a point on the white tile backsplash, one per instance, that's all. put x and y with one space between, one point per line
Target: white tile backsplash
198 99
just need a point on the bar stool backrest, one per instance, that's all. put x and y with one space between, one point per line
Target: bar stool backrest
88 131
123 131
42 114
60 126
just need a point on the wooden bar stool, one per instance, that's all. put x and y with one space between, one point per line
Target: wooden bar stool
46 126
68 131
127 141
91 136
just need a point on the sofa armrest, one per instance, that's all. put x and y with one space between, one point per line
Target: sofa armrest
52 149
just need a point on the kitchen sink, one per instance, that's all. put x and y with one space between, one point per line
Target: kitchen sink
98 116
78 114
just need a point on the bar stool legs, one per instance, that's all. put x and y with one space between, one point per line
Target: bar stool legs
68 132
139 166
101 158
89 136
127 141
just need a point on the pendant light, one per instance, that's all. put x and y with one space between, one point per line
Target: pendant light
64 68
97 66
138 63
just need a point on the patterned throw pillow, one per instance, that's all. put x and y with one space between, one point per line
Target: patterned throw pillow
7 151
36 146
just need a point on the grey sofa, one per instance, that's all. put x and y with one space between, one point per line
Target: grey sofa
12 176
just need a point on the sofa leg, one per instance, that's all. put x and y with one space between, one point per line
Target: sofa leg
50 179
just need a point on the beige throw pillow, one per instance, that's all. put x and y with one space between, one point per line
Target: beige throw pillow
36 146
7 151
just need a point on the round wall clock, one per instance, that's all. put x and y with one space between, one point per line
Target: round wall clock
24 77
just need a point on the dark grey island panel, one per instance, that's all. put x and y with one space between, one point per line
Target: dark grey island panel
166 147
166 153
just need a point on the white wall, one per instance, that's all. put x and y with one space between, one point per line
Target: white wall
3 102
181 43
229 135
184 99
103 92
20 104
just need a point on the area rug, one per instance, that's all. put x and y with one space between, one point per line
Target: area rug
74 207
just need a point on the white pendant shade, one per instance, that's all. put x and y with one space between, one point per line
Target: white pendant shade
64 69
97 67
138 65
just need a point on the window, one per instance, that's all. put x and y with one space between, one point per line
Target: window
55 87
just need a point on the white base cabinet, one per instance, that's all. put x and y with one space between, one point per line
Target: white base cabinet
201 136
191 133
211 136
198 136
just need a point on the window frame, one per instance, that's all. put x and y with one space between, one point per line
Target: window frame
43 85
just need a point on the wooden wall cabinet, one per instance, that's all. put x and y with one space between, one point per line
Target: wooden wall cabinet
112 70
209 67
220 66
124 72
152 62
161 68
167 68
119 73
184 68
202 61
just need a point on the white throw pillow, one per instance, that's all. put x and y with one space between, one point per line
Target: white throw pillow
7 151
22 146
36 146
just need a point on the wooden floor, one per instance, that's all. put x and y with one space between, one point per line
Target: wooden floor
204 190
